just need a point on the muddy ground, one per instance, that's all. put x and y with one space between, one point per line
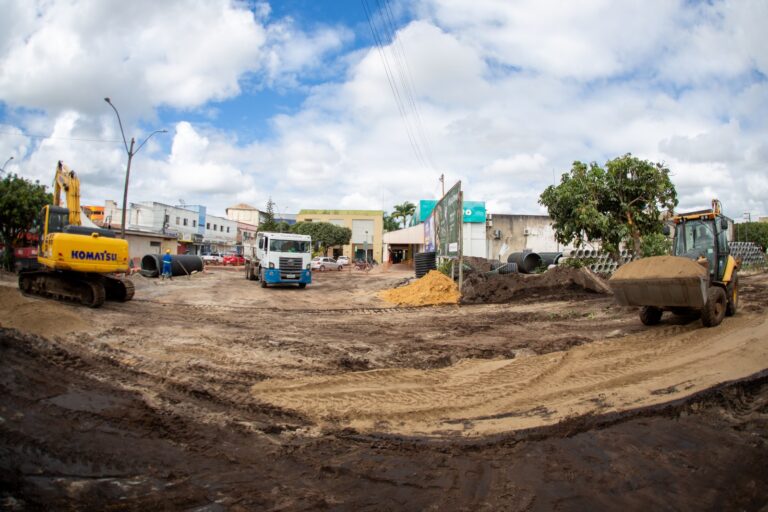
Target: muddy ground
165 403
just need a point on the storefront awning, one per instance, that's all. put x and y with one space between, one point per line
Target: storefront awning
412 235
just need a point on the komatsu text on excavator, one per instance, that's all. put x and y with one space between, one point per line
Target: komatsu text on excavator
701 276
78 260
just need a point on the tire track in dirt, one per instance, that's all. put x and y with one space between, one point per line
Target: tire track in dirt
490 396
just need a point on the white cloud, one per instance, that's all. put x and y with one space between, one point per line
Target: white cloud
508 92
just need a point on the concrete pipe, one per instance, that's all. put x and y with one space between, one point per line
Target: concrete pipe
550 258
181 264
527 262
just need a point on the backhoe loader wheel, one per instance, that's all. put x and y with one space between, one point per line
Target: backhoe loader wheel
714 310
261 278
650 315
733 295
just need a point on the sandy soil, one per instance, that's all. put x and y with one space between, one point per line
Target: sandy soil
212 392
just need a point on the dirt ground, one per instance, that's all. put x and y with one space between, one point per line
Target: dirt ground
211 393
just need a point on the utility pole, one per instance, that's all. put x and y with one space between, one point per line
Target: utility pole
131 154
442 182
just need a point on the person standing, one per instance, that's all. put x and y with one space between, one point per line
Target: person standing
167 260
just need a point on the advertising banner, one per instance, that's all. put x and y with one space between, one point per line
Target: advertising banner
448 216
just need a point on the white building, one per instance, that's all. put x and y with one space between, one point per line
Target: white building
220 234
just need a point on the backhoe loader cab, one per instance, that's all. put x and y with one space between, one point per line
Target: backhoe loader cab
700 276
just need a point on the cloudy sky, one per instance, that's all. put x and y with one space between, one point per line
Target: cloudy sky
364 103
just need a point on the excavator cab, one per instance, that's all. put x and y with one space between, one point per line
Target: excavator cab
704 239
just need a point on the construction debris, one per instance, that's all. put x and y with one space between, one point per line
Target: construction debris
432 289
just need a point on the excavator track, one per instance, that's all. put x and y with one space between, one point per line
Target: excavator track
89 290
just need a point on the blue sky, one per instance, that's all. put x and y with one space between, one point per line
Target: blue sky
292 100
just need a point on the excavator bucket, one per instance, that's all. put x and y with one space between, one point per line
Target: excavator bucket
661 281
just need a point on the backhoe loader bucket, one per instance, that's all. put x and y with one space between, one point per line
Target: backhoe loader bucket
661 281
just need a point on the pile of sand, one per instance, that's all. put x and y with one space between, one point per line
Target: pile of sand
432 289
44 317
566 282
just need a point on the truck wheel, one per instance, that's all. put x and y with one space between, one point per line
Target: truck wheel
714 309
650 315
733 295
261 278
302 285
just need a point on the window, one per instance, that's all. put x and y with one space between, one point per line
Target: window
178 219
194 223
289 246
167 219
185 222
221 228
214 227
154 244
207 225
227 229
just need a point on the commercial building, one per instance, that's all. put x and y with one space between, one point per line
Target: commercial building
367 230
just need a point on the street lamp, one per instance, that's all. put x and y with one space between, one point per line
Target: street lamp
2 169
365 246
131 153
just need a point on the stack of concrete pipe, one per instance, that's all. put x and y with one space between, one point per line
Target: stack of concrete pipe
599 261
748 253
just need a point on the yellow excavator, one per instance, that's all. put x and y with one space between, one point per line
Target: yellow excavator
78 261
700 276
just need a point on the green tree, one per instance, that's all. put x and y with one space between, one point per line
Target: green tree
324 234
20 202
403 211
269 223
283 227
390 223
756 232
617 204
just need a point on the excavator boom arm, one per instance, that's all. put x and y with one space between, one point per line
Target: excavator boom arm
67 180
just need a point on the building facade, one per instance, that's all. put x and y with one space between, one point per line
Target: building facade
367 228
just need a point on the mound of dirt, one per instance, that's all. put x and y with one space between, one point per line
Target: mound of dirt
36 315
487 289
432 289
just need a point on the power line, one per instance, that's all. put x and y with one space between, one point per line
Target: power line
401 85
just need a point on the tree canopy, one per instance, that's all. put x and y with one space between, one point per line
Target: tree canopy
20 202
390 223
756 232
619 203
269 223
403 211
324 234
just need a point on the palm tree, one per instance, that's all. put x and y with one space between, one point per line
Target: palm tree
404 210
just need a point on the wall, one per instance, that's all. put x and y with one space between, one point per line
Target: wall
141 245
520 232
358 221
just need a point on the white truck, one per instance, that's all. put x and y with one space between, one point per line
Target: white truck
279 258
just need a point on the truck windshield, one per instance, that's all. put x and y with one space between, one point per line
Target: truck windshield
288 246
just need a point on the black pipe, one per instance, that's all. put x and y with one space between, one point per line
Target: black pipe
550 258
181 264
527 262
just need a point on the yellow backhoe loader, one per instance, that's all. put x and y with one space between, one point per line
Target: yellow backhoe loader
77 260
700 276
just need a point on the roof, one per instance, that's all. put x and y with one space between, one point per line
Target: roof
241 206
342 212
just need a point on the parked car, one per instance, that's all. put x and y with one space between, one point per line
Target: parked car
213 258
233 259
322 263
343 260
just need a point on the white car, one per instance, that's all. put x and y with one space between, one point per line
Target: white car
343 260
213 258
323 263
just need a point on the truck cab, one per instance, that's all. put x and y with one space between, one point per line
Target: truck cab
279 258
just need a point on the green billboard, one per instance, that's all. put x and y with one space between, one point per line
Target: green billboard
448 216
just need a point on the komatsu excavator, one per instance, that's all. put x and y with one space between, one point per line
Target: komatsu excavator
77 260
701 276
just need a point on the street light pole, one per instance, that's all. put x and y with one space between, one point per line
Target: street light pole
131 152
2 169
